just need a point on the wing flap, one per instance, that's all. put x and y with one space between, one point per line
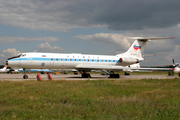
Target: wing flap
118 68
100 67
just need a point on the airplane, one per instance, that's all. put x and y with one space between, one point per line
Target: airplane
176 68
7 70
137 68
4 69
84 63
42 71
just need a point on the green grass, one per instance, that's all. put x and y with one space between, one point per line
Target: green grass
101 99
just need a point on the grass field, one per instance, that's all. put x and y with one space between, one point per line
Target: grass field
101 99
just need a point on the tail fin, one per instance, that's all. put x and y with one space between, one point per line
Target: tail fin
4 67
137 48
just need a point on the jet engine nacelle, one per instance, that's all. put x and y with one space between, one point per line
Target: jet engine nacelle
128 60
176 70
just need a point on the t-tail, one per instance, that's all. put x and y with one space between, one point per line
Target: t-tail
135 53
4 68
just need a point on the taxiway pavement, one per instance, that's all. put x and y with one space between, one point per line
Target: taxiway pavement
19 77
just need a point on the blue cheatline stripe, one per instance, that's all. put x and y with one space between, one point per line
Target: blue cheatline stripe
63 59
16 59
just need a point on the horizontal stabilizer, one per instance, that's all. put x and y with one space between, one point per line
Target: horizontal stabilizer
149 38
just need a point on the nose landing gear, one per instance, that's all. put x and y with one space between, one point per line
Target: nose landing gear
25 76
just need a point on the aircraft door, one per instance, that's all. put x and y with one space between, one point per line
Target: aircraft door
30 60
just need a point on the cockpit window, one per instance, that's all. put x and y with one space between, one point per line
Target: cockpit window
23 55
19 55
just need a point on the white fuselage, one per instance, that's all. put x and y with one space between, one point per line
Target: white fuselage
63 61
4 70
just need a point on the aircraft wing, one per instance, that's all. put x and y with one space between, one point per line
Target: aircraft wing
100 67
118 68
60 70
154 69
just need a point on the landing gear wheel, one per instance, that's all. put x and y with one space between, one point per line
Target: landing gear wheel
114 76
179 74
126 73
169 73
25 76
86 76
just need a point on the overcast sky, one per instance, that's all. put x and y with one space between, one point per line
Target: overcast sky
90 27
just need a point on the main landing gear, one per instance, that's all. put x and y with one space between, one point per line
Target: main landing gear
125 73
112 75
85 75
25 76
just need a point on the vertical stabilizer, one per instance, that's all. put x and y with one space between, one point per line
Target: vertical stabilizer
4 68
137 48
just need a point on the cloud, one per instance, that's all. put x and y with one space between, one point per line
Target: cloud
174 54
119 41
157 46
62 15
122 42
8 53
46 47
10 39
164 50
137 18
